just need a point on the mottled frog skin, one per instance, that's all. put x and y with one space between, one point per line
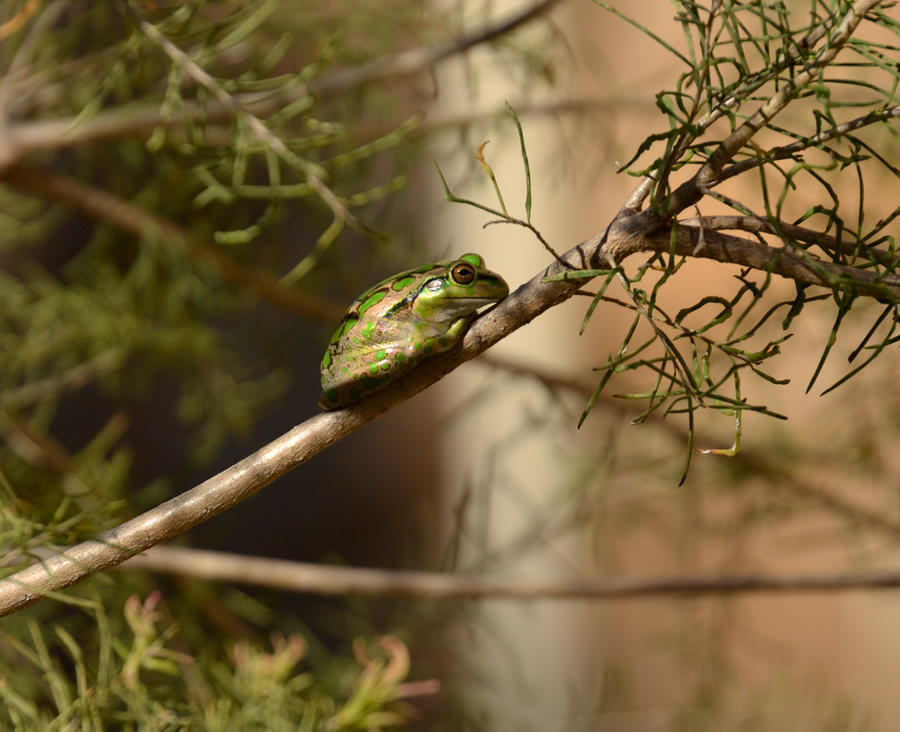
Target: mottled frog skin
392 326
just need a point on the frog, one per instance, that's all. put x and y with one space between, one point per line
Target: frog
389 329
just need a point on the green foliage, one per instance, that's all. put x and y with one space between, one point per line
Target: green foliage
132 669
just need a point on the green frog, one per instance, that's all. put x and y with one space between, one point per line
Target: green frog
392 326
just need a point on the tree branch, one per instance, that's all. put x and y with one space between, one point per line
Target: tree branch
758 224
417 60
625 236
319 579
787 151
53 386
799 266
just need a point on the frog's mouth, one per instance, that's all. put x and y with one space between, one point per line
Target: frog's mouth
471 302
453 307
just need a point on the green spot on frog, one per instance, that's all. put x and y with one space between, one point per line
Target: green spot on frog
373 299
410 316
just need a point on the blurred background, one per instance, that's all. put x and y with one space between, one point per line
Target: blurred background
136 366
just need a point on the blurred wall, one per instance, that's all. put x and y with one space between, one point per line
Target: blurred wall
755 661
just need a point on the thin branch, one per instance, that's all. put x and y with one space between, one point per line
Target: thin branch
549 108
135 220
758 224
418 60
53 386
756 255
787 151
40 449
318 579
26 49
638 196
760 462
19 19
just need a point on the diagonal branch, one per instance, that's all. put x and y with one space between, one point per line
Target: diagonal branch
625 236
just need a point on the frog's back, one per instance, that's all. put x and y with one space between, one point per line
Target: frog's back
363 353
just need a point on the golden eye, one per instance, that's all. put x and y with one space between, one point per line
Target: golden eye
463 273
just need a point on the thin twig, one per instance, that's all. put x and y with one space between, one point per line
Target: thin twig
26 49
787 151
53 386
257 127
19 19
39 448
418 60
318 579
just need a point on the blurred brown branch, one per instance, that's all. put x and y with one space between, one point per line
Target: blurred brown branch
758 461
99 204
321 579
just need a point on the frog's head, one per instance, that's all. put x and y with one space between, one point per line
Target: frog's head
457 288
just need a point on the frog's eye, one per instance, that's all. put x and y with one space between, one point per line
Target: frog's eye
463 273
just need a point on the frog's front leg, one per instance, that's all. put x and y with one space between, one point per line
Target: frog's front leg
445 340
